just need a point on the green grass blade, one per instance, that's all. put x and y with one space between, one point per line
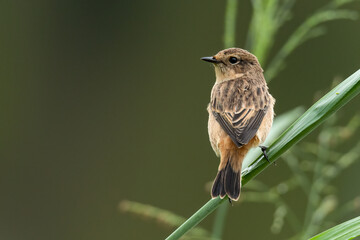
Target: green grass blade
305 31
344 231
195 219
230 23
311 119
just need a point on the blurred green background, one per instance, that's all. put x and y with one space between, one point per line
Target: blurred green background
105 101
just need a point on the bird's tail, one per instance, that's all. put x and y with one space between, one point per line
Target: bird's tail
228 180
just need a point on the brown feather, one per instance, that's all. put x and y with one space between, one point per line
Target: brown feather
238 108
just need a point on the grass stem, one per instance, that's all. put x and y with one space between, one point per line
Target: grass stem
230 23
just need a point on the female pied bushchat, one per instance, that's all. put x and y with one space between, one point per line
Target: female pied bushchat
241 112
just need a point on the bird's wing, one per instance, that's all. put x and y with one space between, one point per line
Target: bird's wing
240 126
239 113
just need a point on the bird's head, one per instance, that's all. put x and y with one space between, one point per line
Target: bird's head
233 63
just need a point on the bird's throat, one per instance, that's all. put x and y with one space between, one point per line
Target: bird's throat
220 77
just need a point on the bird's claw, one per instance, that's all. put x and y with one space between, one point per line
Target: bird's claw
263 149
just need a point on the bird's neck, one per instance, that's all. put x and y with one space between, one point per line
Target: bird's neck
224 77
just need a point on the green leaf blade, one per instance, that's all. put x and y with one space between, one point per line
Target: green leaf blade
312 118
347 230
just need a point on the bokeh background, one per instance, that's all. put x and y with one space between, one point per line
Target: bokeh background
103 101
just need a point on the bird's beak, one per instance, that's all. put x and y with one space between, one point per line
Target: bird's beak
210 59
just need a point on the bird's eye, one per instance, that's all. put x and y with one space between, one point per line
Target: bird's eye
233 60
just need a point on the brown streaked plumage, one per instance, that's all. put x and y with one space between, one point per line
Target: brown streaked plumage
240 115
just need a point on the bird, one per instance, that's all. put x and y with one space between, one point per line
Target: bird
241 112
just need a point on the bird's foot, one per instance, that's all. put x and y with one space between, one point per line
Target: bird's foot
230 202
263 149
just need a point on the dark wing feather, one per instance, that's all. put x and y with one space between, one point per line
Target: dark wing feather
239 109
241 130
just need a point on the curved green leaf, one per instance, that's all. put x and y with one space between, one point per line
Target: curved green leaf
344 231
311 119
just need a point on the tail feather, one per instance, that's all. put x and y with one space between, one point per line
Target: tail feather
232 183
218 188
227 182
